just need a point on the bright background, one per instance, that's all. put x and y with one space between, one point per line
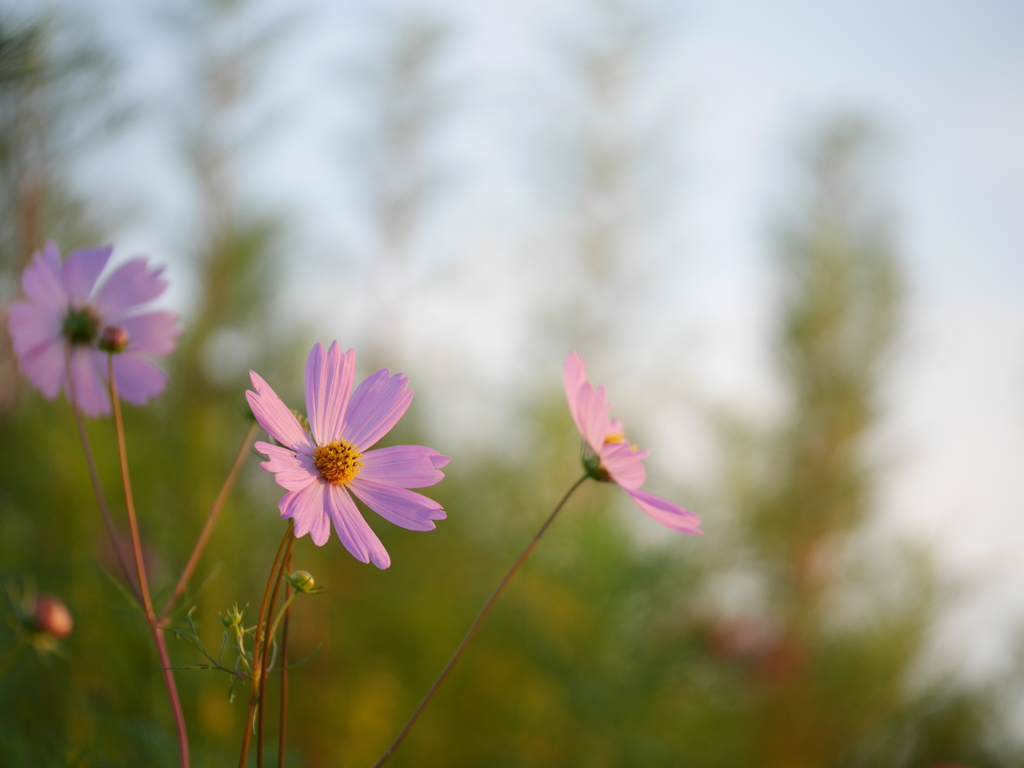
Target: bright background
464 191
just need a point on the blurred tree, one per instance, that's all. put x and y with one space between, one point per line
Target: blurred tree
611 168
841 293
397 172
831 652
54 101
105 704
55 104
596 655
220 119
225 45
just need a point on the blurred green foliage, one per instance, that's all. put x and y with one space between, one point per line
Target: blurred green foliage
602 652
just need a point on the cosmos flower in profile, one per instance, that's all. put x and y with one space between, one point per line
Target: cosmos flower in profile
320 467
610 457
71 322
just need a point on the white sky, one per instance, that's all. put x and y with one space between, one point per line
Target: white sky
946 81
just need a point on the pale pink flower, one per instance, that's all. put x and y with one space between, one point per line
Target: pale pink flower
610 456
67 312
318 470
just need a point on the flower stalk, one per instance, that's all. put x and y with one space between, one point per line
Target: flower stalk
283 714
143 584
476 625
258 639
268 639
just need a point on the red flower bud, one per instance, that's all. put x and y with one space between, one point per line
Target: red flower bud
52 616
113 339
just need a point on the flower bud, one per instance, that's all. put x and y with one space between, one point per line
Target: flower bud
303 581
231 618
51 617
592 466
113 339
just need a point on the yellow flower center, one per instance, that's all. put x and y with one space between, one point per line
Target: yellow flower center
618 437
338 462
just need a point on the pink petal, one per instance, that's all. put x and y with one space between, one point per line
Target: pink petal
41 281
667 513
45 367
376 406
153 332
292 471
80 270
329 377
88 370
137 378
358 538
403 466
623 464
320 532
573 375
406 509
274 416
593 415
306 508
132 284
34 324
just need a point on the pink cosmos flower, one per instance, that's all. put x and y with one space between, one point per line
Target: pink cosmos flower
66 311
318 470
611 457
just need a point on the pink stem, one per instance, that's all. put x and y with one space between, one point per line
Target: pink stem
147 602
284 670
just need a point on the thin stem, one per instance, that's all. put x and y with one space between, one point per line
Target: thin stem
147 602
129 497
284 668
172 692
284 610
95 478
211 521
476 624
257 645
268 640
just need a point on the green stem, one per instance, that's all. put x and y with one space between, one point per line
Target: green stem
281 614
476 624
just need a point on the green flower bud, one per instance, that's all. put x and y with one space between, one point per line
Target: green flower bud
592 465
303 581
231 618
